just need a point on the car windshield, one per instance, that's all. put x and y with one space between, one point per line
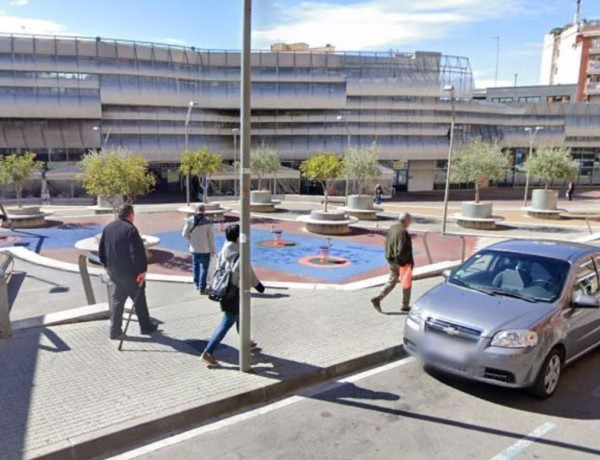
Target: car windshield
524 276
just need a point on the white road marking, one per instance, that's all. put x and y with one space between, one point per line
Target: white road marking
596 393
181 437
518 447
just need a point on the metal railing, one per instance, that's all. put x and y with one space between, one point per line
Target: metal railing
428 250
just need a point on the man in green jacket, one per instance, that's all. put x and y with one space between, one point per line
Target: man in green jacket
399 254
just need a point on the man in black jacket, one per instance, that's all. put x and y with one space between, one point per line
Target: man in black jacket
399 254
123 255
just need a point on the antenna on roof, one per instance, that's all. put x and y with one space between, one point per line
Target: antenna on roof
577 20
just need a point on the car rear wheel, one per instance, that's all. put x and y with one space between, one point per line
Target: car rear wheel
547 380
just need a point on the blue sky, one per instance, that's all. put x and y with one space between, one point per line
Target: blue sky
458 27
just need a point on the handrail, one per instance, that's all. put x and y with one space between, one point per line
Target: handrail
428 251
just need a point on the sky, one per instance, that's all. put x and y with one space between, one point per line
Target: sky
454 27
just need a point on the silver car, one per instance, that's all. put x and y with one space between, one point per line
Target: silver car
514 315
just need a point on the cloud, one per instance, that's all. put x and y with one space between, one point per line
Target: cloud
21 25
19 2
172 41
375 24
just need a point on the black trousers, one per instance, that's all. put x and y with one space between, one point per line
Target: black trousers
120 289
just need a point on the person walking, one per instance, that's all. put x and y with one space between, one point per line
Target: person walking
570 190
198 231
230 254
378 192
123 255
399 254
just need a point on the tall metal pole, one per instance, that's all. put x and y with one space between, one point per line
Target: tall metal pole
235 132
185 147
532 135
497 38
245 313
451 144
348 143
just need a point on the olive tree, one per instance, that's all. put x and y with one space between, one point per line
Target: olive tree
16 168
551 163
114 174
362 164
202 163
479 162
264 161
323 167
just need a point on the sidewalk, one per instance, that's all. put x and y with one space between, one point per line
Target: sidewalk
64 387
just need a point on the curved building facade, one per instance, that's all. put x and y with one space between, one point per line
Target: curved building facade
64 95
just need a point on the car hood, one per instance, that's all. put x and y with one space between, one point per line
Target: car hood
488 313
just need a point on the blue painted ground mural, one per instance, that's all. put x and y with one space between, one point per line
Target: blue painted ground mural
363 258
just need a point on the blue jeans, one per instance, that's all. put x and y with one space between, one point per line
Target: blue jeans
378 199
200 262
227 322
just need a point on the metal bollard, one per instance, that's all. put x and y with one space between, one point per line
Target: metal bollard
5 329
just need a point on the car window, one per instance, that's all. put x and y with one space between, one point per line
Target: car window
586 279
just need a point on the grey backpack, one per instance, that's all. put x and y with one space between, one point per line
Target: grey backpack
221 288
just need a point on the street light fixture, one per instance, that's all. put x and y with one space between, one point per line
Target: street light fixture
532 132
106 136
186 124
449 89
235 132
343 119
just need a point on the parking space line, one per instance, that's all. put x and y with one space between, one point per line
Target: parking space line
519 446
303 395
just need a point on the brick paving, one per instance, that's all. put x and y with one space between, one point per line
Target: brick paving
66 381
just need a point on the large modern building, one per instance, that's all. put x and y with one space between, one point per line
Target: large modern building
62 96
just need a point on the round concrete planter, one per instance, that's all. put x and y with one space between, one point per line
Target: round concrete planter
327 215
328 223
104 207
25 217
261 201
544 200
472 210
360 202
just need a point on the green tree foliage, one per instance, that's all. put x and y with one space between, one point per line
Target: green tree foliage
264 161
16 169
201 163
323 167
115 173
479 162
551 163
362 164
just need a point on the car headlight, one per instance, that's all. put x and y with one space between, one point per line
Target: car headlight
517 338
415 318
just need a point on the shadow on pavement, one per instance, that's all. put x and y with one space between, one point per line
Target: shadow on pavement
573 399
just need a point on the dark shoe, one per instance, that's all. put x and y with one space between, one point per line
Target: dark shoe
150 330
405 309
209 359
116 335
203 291
376 304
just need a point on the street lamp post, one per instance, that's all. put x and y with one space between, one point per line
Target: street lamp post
348 140
235 132
449 89
106 136
245 267
191 105
532 132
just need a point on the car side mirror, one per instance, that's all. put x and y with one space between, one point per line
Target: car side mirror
447 273
585 301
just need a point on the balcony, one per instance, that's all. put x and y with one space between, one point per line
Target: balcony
592 88
593 68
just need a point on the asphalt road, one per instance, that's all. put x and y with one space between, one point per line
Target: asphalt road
401 411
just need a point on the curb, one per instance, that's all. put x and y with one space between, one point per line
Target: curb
120 437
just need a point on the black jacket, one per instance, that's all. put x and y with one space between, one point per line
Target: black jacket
398 246
122 250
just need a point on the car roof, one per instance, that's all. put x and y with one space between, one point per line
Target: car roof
564 250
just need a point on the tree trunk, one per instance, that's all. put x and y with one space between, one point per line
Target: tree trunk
326 193
205 187
19 192
546 186
476 192
259 183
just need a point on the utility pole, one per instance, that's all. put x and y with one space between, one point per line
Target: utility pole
497 38
532 132
186 125
235 132
348 143
449 89
245 311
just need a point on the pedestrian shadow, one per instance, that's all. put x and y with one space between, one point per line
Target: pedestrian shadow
265 295
14 286
170 344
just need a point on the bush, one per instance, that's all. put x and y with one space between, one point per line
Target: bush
323 167
551 163
200 163
264 161
362 164
16 169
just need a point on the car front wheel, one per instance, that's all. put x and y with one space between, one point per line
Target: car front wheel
547 380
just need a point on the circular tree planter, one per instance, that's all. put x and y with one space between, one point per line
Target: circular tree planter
477 216
213 211
25 217
103 205
328 223
91 244
361 207
544 204
262 201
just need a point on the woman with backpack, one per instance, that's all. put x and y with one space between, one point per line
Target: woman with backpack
229 260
